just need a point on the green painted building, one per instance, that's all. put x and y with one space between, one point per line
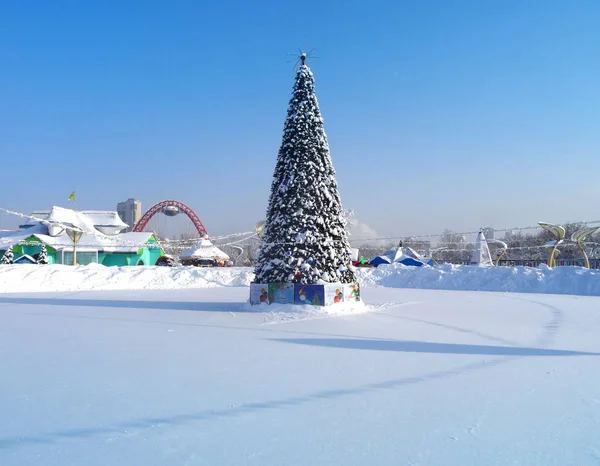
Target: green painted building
101 241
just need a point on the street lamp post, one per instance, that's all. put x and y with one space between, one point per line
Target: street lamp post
559 235
502 244
579 237
75 235
433 261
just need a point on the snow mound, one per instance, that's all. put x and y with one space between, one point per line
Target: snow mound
559 280
543 279
24 278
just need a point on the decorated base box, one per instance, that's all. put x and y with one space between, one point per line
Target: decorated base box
315 295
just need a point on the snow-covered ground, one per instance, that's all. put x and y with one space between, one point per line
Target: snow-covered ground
195 377
560 280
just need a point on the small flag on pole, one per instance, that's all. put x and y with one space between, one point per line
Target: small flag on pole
72 196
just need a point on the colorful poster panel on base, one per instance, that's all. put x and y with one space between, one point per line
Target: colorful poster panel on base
333 293
281 293
309 294
259 293
351 292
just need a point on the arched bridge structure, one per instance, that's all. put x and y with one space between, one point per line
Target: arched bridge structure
176 206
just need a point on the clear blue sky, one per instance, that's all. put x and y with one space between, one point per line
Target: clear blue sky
440 114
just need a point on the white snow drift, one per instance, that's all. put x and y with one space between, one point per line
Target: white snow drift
542 279
559 280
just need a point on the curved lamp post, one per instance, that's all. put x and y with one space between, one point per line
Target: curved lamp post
75 235
559 235
579 237
502 244
437 250
260 228
240 251
553 252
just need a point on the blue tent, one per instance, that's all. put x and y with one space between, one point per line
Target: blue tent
402 255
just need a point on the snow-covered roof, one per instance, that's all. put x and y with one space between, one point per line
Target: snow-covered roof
125 242
130 241
29 229
403 252
37 215
10 238
99 217
85 220
24 259
8 241
204 250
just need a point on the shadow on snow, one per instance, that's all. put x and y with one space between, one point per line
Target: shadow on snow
405 346
110 303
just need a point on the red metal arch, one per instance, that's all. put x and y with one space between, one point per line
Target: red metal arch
156 208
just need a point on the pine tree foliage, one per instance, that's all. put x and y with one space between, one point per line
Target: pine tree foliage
8 257
43 256
305 239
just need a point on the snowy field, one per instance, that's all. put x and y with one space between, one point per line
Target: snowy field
195 377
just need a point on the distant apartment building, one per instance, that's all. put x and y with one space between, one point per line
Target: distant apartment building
130 211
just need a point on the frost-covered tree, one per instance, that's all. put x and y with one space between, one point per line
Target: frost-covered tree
43 255
8 257
304 239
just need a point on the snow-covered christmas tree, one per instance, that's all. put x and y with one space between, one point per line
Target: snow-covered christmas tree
8 257
43 256
305 239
